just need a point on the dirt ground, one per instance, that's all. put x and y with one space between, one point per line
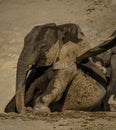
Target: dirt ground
97 18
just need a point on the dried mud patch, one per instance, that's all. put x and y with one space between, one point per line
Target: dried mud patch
90 116
69 120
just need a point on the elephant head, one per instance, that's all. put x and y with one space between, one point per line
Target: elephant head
36 44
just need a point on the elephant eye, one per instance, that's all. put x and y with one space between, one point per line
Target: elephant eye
43 45
40 47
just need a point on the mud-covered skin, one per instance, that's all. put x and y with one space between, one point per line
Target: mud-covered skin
84 93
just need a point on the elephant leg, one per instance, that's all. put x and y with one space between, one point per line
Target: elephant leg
108 44
113 74
34 86
55 89
84 93
39 85
112 99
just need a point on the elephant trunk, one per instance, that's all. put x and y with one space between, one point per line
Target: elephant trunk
22 70
21 75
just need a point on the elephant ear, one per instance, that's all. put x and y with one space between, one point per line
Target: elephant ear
69 32
80 34
50 47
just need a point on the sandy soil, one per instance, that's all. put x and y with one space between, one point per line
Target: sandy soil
97 18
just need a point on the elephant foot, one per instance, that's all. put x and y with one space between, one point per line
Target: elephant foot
70 111
26 110
112 103
41 108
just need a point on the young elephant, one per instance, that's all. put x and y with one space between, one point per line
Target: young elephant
56 47
41 48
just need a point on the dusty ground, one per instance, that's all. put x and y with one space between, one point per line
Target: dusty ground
97 19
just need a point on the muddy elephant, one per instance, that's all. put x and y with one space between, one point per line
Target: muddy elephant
61 80
41 47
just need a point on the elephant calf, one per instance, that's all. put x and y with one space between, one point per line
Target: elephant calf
41 50
55 48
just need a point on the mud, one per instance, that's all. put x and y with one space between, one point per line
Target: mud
70 120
